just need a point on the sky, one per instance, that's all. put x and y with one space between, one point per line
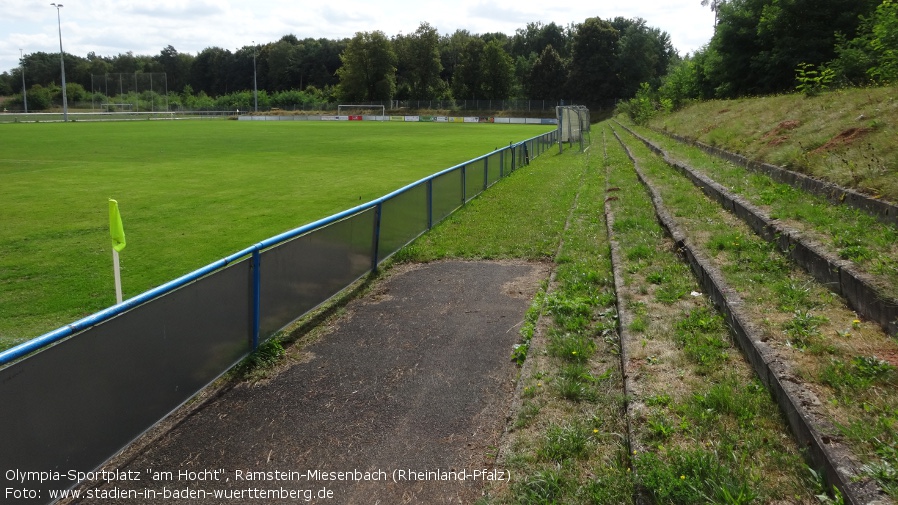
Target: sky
111 27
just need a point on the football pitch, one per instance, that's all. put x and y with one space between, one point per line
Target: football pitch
190 193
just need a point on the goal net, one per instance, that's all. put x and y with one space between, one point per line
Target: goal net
137 92
573 125
347 109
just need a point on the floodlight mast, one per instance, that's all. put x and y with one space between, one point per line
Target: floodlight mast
24 93
65 102
255 87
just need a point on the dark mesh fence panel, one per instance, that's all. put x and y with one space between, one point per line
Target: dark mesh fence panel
403 217
299 275
446 194
73 405
474 179
494 167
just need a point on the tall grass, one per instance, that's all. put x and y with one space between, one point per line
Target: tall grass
845 136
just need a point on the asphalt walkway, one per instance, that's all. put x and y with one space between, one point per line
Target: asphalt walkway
404 401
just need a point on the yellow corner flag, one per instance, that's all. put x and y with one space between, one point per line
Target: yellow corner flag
116 230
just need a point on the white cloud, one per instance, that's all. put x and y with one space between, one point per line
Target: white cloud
110 27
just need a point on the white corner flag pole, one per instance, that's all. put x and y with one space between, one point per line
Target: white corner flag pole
117 233
118 276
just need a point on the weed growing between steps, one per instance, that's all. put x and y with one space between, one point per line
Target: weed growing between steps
809 327
704 428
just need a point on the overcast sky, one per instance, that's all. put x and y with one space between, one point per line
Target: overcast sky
111 27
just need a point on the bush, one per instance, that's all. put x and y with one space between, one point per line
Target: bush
812 82
645 105
39 98
872 56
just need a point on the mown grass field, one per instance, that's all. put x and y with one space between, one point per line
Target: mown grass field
190 192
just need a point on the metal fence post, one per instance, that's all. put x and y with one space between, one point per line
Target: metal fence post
429 203
501 162
464 184
377 213
257 297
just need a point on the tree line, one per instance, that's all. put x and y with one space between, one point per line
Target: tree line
593 63
763 47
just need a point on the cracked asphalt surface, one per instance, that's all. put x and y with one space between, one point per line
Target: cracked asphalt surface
415 377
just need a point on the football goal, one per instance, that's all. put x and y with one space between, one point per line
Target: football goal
346 109
573 125
137 92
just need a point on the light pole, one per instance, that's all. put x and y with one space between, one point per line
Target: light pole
65 101
24 94
255 88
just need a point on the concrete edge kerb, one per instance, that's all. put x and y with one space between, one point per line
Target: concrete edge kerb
884 211
624 319
840 276
831 456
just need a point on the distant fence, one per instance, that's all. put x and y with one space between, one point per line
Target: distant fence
244 115
74 397
406 119
81 115
133 103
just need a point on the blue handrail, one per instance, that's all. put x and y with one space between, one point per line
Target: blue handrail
63 332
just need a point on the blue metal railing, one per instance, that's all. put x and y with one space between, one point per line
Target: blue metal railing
127 367
63 332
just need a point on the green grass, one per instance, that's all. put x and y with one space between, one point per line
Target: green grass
190 192
707 431
812 329
849 233
569 439
793 131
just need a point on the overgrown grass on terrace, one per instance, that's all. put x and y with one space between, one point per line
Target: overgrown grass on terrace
847 136
190 193
706 428
847 232
838 357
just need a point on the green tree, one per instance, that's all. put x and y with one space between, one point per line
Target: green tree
548 76
175 65
497 69
681 83
871 56
41 68
317 61
594 54
99 67
728 63
6 87
369 68
758 44
644 55
74 93
419 60
791 32
39 98
885 42
283 68
467 78
535 37
211 72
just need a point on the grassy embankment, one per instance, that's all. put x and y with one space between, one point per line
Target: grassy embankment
849 137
